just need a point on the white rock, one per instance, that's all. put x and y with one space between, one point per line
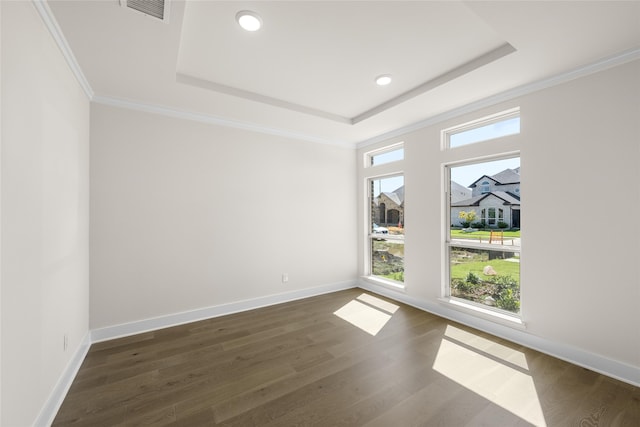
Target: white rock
489 271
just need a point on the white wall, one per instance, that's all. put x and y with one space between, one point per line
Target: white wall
186 215
579 153
45 214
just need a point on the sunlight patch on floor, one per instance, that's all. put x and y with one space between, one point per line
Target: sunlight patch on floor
495 372
367 313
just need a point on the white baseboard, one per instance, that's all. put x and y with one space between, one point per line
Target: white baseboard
146 325
59 392
603 365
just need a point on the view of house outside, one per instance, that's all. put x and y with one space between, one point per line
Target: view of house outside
387 227
484 248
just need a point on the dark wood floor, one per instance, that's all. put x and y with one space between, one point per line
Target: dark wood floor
299 364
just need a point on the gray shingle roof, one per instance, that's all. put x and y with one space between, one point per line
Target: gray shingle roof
473 201
394 197
508 198
507 176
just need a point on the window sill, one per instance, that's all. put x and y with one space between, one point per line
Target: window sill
474 310
391 284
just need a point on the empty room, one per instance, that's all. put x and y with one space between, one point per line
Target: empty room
296 213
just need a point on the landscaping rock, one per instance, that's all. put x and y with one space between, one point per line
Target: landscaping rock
489 271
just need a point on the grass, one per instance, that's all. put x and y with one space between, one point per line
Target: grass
483 234
502 267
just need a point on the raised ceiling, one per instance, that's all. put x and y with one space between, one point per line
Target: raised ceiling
309 72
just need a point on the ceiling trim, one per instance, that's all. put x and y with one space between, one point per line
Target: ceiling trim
264 99
214 120
469 66
446 77
42 6
601 65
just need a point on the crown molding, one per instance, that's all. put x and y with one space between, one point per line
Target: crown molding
42 6
50 22
601 65
214 120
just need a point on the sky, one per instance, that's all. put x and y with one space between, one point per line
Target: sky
484 133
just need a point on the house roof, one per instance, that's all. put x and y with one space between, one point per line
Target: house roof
483 177
507 198
396 196
507 176
400 193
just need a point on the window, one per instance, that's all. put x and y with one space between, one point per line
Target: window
496 126
483 245
485 187
386 228
386 155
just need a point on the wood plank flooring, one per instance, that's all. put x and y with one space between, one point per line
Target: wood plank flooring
299 364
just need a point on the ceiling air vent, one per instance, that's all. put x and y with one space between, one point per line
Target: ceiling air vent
155 8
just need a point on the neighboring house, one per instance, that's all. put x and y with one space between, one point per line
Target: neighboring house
389 208
459 192
494 198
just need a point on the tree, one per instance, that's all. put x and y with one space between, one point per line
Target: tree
467 217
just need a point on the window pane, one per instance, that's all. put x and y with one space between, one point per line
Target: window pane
387 157
484 276
506 127
387 259
484 237
387 227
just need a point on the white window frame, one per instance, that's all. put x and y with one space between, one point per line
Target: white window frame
370 236
369 155
480 310
484 121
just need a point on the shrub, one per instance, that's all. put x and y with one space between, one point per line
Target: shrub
478 224
502 224
462 285
465 224
502 283
506 293
472 278
508 301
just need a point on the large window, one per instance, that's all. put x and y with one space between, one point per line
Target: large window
484 242
386 228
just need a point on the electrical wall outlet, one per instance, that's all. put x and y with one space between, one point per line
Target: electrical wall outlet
65 342
285 277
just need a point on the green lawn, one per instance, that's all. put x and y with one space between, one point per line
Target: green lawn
502 267
484 234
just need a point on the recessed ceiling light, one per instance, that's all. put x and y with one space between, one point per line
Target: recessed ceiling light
249 20
383 80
